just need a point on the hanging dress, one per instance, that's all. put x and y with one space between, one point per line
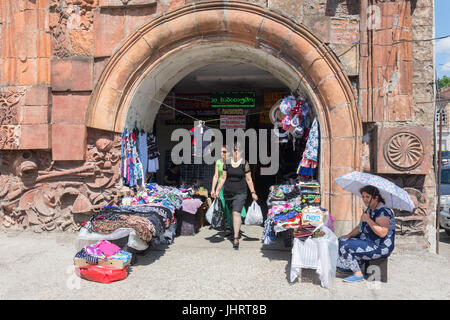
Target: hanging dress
308 165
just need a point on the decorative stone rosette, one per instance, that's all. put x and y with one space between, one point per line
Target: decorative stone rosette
404 151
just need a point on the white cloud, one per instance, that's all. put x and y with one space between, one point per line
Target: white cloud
446 67
443 46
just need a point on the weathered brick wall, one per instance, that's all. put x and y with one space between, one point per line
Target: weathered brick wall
64 45
422 22
53 53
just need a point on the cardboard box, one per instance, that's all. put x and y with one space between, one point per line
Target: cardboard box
80 262
116 263
313 217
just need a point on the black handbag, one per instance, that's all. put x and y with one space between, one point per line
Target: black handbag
218 217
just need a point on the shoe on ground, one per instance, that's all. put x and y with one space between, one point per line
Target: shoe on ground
353 278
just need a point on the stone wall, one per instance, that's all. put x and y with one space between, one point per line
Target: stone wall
55 52
397 102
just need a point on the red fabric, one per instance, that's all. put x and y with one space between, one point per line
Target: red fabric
101 274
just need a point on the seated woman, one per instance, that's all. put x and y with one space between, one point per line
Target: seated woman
376 239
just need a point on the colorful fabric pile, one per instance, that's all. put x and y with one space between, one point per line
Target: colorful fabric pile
102 262
102 250
281 218
108 221
283 193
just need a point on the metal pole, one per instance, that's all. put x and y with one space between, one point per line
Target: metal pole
438 212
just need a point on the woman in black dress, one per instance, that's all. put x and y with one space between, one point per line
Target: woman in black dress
235 179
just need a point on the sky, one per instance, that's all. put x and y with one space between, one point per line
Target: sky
442 16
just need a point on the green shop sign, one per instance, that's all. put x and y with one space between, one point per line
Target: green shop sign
233 99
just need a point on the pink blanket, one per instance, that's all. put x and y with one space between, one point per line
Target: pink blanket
191 205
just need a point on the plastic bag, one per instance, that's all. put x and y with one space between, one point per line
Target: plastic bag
135 242
254 214
218 217
328 255
86 237
103 274
210 211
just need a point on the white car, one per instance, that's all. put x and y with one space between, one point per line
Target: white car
444 217
445 221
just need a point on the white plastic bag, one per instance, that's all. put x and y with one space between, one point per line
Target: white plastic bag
135 242
86 237
210 211
254 214
328 255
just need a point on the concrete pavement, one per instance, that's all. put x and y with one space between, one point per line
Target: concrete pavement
204 266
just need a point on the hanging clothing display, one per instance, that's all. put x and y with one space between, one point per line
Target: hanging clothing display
312 146
143 150
308 165
139 155
131 166
153 153
199 148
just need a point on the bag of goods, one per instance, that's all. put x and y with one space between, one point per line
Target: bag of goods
103 274
254 214
103 262
218 217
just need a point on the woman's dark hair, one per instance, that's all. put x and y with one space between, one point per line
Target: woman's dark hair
373 191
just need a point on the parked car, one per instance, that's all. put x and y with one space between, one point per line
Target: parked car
445 157
445 199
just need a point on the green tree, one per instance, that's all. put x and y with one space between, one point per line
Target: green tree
444 82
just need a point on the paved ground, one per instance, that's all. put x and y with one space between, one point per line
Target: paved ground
204 266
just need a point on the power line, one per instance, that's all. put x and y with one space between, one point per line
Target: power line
402 41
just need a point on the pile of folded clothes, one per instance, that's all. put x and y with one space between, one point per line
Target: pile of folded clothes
102 262
312 218
281 218
283 192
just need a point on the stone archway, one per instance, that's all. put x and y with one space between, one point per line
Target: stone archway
152 57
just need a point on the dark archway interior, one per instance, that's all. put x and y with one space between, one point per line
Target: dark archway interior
192 95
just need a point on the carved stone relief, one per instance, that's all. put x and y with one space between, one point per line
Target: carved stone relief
44 195
9 137
71 24
8 109
403 150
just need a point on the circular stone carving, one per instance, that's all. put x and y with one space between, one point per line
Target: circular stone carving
404 151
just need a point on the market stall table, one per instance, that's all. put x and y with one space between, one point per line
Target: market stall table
316 253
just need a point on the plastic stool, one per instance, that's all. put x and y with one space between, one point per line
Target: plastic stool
374 273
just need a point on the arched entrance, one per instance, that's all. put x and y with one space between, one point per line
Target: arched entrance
164 50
